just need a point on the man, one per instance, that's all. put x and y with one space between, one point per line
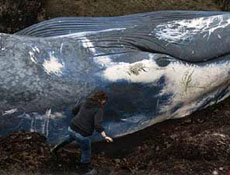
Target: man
88 116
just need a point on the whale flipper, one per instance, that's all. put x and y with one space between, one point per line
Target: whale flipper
192 40
186 35
68 25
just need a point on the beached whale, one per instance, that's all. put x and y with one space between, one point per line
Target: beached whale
153 66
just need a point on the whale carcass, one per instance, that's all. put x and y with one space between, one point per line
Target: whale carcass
153 66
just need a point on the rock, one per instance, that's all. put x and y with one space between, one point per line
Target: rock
173 136
117 161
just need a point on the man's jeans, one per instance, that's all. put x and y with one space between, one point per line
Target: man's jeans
83 142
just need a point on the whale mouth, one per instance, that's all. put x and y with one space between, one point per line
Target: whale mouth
191 36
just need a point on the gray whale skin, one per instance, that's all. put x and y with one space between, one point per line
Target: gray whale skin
153 66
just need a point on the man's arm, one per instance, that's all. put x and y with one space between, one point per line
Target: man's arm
98 119
98 125
76 108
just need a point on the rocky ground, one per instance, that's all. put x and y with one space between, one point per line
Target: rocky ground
198 144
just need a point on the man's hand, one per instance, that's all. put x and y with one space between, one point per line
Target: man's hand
108 139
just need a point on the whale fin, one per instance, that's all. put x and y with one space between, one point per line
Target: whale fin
192 40
187 35
69 25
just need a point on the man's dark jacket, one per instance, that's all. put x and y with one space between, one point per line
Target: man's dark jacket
87 117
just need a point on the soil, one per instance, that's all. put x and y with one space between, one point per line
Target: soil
56 8
23 152
16 15
197 144
224 4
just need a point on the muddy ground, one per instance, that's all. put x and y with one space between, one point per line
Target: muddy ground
198 144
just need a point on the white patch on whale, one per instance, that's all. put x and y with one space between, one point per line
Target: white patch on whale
83 34
186 82
134 119
40 122
32 57
88 44
123 71
53 65
37 49
103 61
11 111
183 30
45 126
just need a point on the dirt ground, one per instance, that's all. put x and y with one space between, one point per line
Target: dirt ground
16 15
197 144
121 7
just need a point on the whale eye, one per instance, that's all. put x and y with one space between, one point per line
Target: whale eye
162 61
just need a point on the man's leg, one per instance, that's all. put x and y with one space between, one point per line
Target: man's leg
85 145
65 142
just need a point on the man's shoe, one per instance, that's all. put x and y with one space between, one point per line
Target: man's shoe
87 169
54 150
53 154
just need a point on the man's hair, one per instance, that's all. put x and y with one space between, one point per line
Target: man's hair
99 96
